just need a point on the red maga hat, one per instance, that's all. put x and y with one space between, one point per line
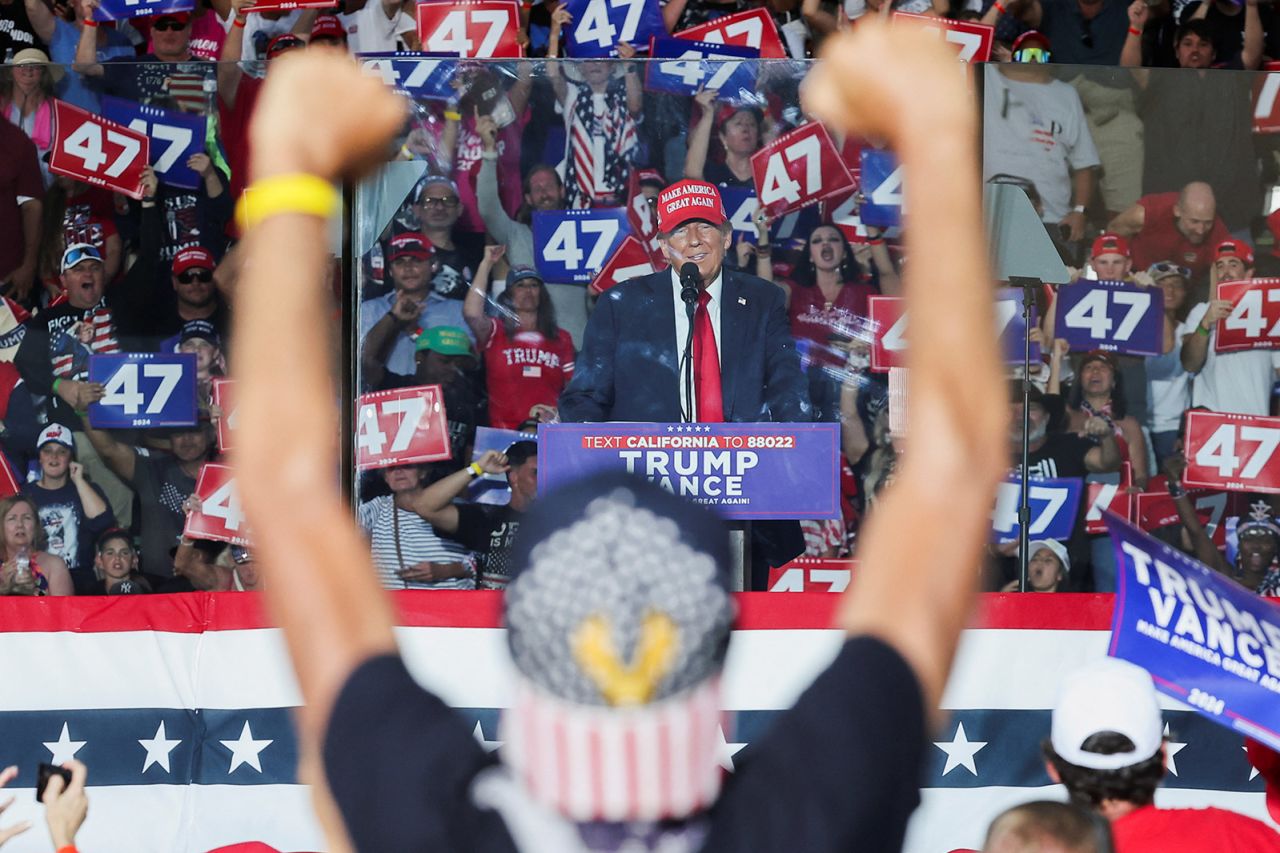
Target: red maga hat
1110 244
686 200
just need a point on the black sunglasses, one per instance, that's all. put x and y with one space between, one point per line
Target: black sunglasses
169 26
202 276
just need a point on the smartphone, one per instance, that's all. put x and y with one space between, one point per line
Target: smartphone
47 772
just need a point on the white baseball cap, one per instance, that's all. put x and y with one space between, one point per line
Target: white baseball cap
1109 695
1058 549
57 433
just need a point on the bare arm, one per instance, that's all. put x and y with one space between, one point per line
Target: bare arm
854 442
229 71
55 571
41 18
695 158
1251 53
322 588
821 22
92 502
1131 53
478 295
559 18
1137 443
917 587
671 13
1195 345
377 344
120 457
1129 222
1106 456
435 502
87 48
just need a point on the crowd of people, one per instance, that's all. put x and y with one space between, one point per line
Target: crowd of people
452 292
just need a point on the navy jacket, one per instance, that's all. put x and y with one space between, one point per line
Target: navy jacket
628 367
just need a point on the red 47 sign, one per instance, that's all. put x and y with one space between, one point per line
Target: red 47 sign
1266 100
630 260
1155 509
224 398
470 29
401 427
1254 321
972 40
797 169
1112 497
812 574
889 324
91 149
1237 452
745 29
220 517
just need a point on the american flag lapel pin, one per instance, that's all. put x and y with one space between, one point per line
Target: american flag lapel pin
742 300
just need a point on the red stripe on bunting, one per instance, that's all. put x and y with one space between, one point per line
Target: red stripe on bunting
191 613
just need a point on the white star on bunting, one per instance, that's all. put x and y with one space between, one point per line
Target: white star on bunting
245 750
1170 750
158 749
64 748
960 751
1253 771
478 734
725 751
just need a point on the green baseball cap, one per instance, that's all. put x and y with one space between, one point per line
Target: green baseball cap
446 340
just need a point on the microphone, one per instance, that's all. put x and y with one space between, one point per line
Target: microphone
690 283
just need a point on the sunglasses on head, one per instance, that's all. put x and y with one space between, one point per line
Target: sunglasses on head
1031 54
203 276
168 25
1165 268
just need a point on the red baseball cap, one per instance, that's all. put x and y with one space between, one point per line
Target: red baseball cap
1110 244
1234 249
328 27
183 18
193 257
650 176
408 245
283 42
686 200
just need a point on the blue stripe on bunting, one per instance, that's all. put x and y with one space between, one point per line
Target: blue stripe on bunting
1212 757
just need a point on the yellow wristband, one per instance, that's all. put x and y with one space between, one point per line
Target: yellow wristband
452 116
300 193
476 470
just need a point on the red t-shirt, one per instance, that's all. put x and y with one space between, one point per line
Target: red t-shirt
813 320
235 131
1160 239
524 370
1192 830
89 218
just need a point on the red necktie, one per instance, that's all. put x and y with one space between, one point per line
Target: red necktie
706 364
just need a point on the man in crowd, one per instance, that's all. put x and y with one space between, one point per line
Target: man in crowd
1181 227
1034 126
543 190
388 323
168 77
72 510
487 529
444 356
745 366
457 253
1048 827
619 613
1107 747
1110 258
163 483
1234 381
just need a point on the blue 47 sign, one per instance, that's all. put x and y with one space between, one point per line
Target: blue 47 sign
1112 316
116 10
600 25
882 204
1053 504
571 246
421 77
688 67
144 389
175 136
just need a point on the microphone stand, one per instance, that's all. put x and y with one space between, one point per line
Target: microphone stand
1028 287
690 282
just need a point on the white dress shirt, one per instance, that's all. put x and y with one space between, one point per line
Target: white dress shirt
682 328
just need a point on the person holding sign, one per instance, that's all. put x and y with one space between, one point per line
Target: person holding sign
392 768
600 113
1258 536
1107 746
1238 382
741 130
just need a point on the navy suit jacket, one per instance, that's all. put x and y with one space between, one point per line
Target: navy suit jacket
628 368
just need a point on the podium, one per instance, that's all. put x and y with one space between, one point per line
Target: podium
746 472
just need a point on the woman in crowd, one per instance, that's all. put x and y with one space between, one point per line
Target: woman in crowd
1047 567
407 551
1168 383
1099 392
26 99
740 130
27 569
528 359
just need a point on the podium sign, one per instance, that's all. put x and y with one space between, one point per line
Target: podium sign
743 471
